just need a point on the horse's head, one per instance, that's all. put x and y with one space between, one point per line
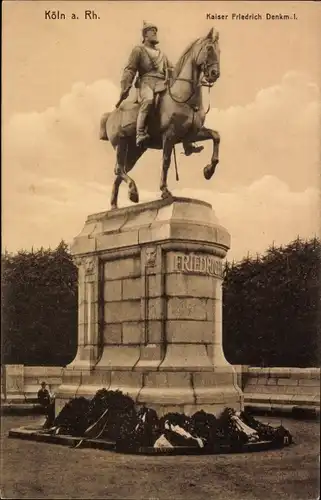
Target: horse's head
207 58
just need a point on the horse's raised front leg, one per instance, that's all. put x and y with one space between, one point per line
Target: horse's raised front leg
127 156
207 134
168 144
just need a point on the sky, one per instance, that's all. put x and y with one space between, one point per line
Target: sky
59 76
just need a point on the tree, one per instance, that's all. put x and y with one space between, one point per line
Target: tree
39 314
272 307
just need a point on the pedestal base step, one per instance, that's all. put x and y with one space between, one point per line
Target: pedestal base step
29 433
193 450
71 441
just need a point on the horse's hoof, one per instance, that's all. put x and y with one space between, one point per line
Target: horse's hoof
133 196
166 194
113 207
209 171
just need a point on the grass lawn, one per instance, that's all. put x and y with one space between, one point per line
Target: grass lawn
40 470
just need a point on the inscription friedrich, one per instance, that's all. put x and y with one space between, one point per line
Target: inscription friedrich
199 264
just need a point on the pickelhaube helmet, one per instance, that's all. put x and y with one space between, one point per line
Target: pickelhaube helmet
148 26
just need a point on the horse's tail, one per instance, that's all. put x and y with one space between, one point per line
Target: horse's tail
102 131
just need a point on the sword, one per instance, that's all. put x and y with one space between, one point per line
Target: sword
120 101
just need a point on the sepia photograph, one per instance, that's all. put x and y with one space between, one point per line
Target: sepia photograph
161 249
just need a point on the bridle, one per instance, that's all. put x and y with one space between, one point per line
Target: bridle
201 83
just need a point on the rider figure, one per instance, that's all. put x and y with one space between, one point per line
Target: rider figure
152 67
154 70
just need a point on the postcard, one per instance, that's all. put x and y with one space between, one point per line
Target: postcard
128 115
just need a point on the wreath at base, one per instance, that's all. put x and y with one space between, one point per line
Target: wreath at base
113 416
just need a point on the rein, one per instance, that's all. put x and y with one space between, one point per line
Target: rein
189 80
202 84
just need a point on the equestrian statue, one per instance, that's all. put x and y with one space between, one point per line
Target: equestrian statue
167 109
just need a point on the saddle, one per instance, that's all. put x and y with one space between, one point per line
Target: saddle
124 118
128 112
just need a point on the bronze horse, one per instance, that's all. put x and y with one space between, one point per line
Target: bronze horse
178 117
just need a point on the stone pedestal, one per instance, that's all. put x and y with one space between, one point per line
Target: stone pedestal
150 308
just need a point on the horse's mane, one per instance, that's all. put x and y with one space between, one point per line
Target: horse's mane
180 63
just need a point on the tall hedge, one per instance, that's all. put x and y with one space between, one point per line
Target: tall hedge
271 307
39 307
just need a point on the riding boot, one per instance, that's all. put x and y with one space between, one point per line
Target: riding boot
141 134
191 148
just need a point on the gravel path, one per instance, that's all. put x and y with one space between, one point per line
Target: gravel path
39 470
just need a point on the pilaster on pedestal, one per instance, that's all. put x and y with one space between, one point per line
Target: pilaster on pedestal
89 344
